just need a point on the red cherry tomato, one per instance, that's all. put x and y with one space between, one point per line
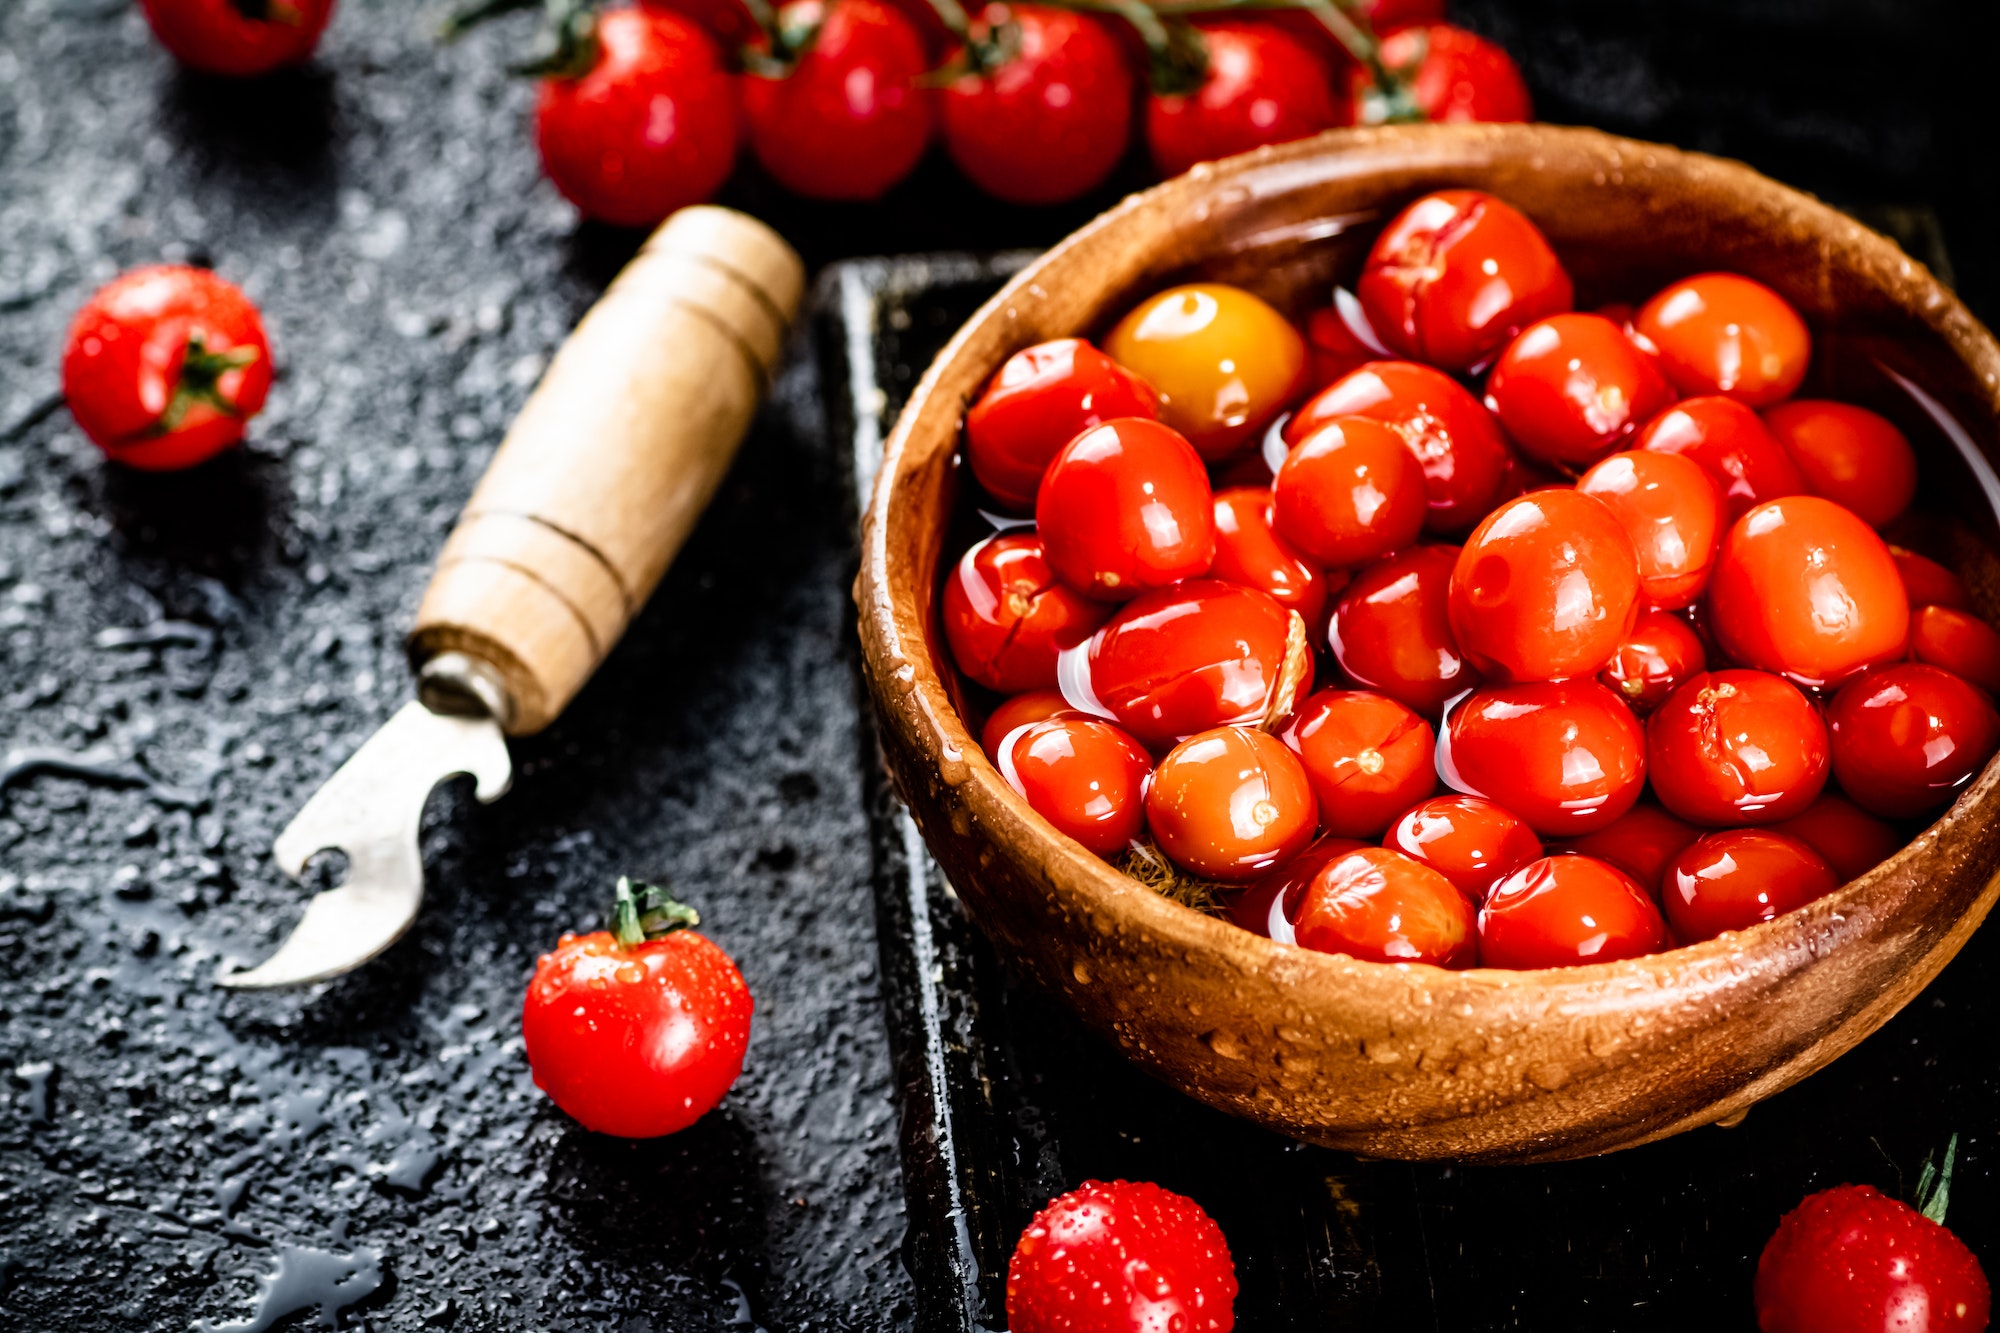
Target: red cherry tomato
1224 362
1052 121
1229 804
1850 1260
1804 588
851 117
1567 911
1642 842
1736 878
1351 492
1332 348
1007 618
1927 583
1086 777
1456 275
1199 655
1846 837
1391 629
1042 398
1659 654
1459 76
1453 437
1469 840
1721 333
1961 643
1248 552
1736 747
1369 759
1566 756
238 37
1573 388
1733 446
1673 513
1121 1258
1545 588
164 365
1125 508
1380 906
1907 737
1849 455
1263 86
1023 710
1266 907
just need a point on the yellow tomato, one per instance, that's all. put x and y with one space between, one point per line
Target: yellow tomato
1223 361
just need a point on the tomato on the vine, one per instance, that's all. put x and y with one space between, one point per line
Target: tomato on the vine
1567 911
1229 804
1223 361
1007 617
1121 1257
1453 75
1040 399
1722 333
1262 86
238 37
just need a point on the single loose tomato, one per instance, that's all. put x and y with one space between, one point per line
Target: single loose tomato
1121 1258
1736 747
238 37
1380 906
1454 76
1573 388
1086 777
1852 1260
1732 445
1958 641
1267 905
1263 85
1248 552
1042 398
1391 629
1224 362
1566 756
1332 349
1545 588
1674 514
1642 842
1727 334
1230 804
164 365
1369 758
1660 653
1007 617
1567 911
1927 583
1849 455
1023 710
1804 588
1736 878
1453 437
1471 841
1846 837
1125 508
1907 737
1349 493
1456 275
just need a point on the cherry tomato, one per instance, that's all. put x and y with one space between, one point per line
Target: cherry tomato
851 117
1349 493
1391 630
1733 446
1659 654
1567 911
1006 617
1086 777
1266 907
1573 388
1332 348
1642 842
1566 756
1851 1260
1249 553
1722 333
1546 587
1849 455
238 37
1453 437
164 365
1736 878
1961 643
1125 508
1224 363
1042 398
1736 747
1369 759
1456 275
1263 86
1469 840
1674 514
1380 906
1927 583
1907 737
1023 710
1199 655
1846 837
1458 76
1121 1258
1804 588
1229 804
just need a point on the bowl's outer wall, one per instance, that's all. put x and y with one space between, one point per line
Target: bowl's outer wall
1405 1061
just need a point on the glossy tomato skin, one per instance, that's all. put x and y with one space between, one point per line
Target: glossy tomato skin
1223 362
1052 122
1725 334
1737 747
1471 841
1846 837
1454 438
1460 77
1958 641
1567 911
1805 589
1675 515
1007 617
1545 588
1229 804
1380 906
1023 710
1852 1260
1267 905
1263 86
1732 445
1660 653
1349 493
128 354
640 1041
1084 776
1125 508
1332 350
1927 583
1566 756
1121 1258
1042 398
222 37
1907 737
1849 455
1456 275
1391 629
851 118
1735 879
1248 552
1369 759
1642 842
1573 388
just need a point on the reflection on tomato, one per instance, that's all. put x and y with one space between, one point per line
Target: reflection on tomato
1125 508
1006 617
1382 907
1460 77
1907 737
1734 879
1846 837
1958 641
1566 756
1369 759
1042 398
1574 388
1732 445
1229 804
1641 842
1727 334
1084 776
1023 710
1349 493
1224 363
1674 514
1391 629
1736 747
1659 654
1267 905
1248 552
1567 911
1471 841
1849 455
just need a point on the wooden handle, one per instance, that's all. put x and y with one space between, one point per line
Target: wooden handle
608 466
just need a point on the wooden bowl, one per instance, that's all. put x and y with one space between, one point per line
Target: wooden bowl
1403 1060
